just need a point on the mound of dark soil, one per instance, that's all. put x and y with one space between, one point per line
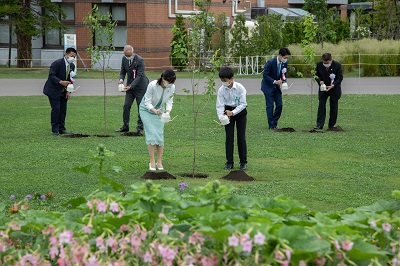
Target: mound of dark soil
132 134
285 129
335 129
195 175
103 136
75 136
157 175
238 176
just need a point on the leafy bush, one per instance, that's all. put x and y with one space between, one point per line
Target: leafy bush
155 225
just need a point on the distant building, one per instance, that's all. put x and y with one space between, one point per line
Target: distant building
144 24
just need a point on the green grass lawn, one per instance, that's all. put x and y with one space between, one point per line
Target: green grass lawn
325 171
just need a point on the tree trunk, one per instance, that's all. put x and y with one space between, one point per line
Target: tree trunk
24 39
24 51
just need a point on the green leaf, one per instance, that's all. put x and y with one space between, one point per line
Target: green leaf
115 185
74 203
362 251
83 169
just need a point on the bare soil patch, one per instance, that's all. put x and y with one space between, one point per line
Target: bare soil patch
75 136
158 175
238 175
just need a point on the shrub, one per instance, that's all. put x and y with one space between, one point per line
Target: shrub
155 225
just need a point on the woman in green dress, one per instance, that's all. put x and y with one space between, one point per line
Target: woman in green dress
157 100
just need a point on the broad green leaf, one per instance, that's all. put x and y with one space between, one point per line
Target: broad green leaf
74 203
83 169
381 206
362 251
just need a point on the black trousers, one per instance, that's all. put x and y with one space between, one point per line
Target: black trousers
130 96
240 120
334 96
58 113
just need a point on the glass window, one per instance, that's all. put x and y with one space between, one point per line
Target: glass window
118 13
5 35
54 38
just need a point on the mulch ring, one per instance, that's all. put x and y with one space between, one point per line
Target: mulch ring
132 134
335 129
75 136
285 129
194 175
238 175
158 175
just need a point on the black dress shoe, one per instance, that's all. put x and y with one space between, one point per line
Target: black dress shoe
56 134
64 132
243 166
122 130
140 132
228 166
317 128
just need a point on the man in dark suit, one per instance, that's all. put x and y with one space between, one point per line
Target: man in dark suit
55 88
273 77
133 67
329 73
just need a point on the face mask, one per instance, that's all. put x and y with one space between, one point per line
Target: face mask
70 59
167 85
128 57
284 60
327 65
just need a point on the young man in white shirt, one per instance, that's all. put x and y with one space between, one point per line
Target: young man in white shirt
231 100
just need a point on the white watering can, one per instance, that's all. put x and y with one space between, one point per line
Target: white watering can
121 87
165 118
70 88
285 86
224 119
322 87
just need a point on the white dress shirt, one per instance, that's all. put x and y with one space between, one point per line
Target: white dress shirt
153 96
234 97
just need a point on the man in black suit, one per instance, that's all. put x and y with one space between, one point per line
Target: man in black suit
55 88
133 67
273 77
329 73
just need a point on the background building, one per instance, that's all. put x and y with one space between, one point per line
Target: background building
145 24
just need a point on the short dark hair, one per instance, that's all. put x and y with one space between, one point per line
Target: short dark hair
70 49
168 75
326 57
226 73
284 51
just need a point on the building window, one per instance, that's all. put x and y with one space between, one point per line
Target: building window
118 13
5 33
54 38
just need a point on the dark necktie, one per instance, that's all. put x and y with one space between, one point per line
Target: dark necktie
279 69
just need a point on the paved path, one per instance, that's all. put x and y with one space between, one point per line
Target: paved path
93 87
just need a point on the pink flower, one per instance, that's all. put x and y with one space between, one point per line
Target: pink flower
196 238
15 227
288 254
165 229
114 207
66 237
341 264
123 228
386 227
302 263
259 238
135 241
373 224
233 241
161 215
279 256
110 242
89 204
320 261
87 228
99 242
143 235
29 258
53 252
285 263
337 245
101 206
247 246
147 257
167 253
347 245
50 229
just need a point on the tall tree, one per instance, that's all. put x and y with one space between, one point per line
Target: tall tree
30 19
179 46
386 19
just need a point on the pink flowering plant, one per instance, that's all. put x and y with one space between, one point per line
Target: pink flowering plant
156 225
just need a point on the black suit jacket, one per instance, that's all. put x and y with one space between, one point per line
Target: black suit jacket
57 72
323 73
136 77
270 74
